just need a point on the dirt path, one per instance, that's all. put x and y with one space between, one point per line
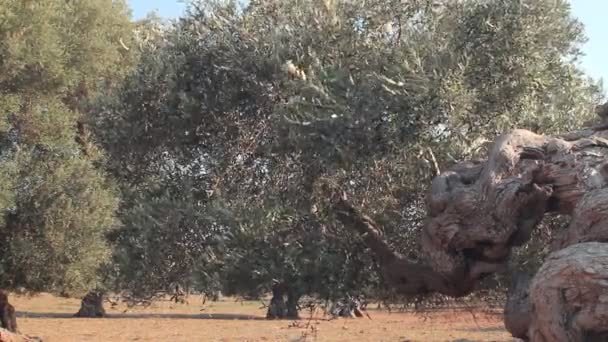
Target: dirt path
51 318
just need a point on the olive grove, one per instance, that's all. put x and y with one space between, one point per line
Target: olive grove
240 147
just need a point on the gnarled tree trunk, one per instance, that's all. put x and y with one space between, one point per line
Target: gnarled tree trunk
479 210
277 308
92 305
405 276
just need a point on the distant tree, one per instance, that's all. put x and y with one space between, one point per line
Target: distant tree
165 240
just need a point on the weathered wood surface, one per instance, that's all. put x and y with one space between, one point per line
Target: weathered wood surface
479 212
567 300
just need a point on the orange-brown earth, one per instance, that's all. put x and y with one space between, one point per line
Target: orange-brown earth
51 318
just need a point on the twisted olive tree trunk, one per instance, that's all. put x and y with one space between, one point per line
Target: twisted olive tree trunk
278 308
479 210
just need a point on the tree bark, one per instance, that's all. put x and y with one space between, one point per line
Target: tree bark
277 308
567 300
92 305
292 304
518 307
405 276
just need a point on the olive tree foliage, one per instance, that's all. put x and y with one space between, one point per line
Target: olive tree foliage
165 240
449 74
170 233
189 135
56 203
267 109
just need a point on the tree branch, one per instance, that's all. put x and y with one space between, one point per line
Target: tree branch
405 276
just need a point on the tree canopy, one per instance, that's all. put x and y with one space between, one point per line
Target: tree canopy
57 200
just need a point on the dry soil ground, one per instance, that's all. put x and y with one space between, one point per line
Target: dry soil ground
51 318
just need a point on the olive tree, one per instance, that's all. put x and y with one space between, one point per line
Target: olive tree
57 202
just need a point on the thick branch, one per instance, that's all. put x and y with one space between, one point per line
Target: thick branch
405 276
367 228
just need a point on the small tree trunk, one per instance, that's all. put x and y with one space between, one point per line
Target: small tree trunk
292 304
277 308
92 305
518 308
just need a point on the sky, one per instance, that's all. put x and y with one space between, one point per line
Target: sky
590 12
165 8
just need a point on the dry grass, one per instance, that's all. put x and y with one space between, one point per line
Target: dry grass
51 318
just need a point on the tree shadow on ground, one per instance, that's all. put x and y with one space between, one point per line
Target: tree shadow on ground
487 329
219 316
467 340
